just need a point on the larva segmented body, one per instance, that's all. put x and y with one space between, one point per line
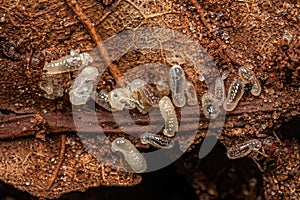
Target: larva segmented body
191 94
235 93
101 99
47 85
248 76
219 91
210 106
74 61
244 149
156 141
52 86
132 156
120 98
144 95
177 85
82 86
162 88
168 113
256 88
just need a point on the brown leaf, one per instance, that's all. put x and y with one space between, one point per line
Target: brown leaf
35 32
29 164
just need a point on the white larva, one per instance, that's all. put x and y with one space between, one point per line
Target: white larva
74 61
168 113
219 93
248 76
120 98
101 98
132 156
191 94
235 93
177 85
256 88
210 106
144 95
82 86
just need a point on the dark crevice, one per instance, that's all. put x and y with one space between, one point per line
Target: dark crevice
290 129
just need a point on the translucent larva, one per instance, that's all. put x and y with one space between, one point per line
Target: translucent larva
47 85
168 113
132 156
177 85
120 98
141 103
52 85
82 86
147 92
219 91
156 141
235 93
101 99
244 149
210 106
191 94
72 62
162 88
256 88
248 76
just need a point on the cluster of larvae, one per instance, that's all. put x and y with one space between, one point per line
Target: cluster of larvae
141 95
52 80
236 88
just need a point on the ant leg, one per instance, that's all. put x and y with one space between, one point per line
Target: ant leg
276 136
257 164
262 152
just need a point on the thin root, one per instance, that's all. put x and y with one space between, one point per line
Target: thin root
60 160
96 38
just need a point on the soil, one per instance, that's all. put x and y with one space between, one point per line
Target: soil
41 152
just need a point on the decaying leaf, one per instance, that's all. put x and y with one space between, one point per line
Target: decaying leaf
235 33
30 164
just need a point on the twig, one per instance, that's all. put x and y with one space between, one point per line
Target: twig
60 161
96 38
58 122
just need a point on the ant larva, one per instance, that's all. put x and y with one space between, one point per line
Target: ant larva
82 86
55 72
235 93
177 85
168 113
156 141
132 156
248 76
73 62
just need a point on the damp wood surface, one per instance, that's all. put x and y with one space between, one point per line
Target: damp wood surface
261 35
